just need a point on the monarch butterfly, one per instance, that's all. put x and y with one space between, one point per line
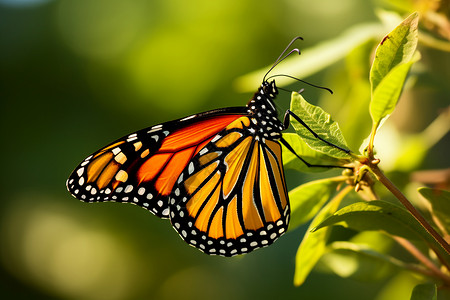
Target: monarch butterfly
217 175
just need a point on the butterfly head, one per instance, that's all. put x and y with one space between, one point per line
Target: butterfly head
269 89
262 100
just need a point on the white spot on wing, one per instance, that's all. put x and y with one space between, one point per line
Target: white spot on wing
131 138
187 118
116 150
216 138
203 151
155 128
191 168
129 188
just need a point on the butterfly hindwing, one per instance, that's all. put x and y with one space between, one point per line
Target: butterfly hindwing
232 197
141 168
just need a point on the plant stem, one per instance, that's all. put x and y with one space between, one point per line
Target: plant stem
398 194
433 269
372 139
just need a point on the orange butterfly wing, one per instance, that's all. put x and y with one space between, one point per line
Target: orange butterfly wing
142 168
232 197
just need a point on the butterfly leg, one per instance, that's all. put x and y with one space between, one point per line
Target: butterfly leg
289 147
286 123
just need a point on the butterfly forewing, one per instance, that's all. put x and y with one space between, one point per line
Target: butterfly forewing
142 168
232 197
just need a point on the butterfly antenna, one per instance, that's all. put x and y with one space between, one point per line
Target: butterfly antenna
283 55
303 81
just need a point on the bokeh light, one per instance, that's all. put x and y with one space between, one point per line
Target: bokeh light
102 29
45 244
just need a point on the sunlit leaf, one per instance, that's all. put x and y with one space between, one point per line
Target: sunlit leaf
393 60
425 291
440 203
387 93
307 199
380 215
321 123
396 48
313 244
291 161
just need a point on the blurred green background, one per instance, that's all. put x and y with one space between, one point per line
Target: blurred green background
77 74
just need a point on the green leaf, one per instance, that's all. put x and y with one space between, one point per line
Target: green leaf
313 244
393 60
440 203
291 161
321 123
380 215
396 48
424 291
387 93
359 261
307 199
376 215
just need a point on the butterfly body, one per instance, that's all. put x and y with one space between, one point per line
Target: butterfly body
218 176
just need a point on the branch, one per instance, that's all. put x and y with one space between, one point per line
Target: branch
433 269
398 194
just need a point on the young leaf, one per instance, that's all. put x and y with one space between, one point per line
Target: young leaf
396 48
425 291
307 199
393 59
440 203
313 244
321 123
380 215
387 93
291 161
